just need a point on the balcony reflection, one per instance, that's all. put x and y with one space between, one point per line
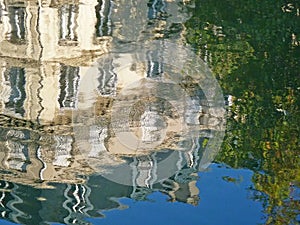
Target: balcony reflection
17 154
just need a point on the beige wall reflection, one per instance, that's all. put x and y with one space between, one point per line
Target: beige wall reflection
40 45
46 48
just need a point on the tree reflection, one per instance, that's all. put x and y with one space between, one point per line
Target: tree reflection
252 48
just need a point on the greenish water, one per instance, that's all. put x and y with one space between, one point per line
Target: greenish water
251 47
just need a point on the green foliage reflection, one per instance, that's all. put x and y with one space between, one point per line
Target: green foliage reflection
253 49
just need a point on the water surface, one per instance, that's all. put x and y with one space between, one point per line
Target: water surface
70 68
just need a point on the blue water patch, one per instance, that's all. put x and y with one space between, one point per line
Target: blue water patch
224 199
4 222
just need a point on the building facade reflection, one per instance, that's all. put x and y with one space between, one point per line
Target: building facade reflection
72 203
38 45
57 36
47 48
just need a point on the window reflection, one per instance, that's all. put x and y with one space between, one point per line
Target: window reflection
17 23
68 25
154 68
107 79
69 81
103 14
2 11
156 9
16 78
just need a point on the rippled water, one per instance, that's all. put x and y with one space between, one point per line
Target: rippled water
107 106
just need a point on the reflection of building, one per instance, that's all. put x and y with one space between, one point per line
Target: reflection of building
46 158
47 50
73 203
63 203
54 31
140 20
44 52
31 157
48 47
